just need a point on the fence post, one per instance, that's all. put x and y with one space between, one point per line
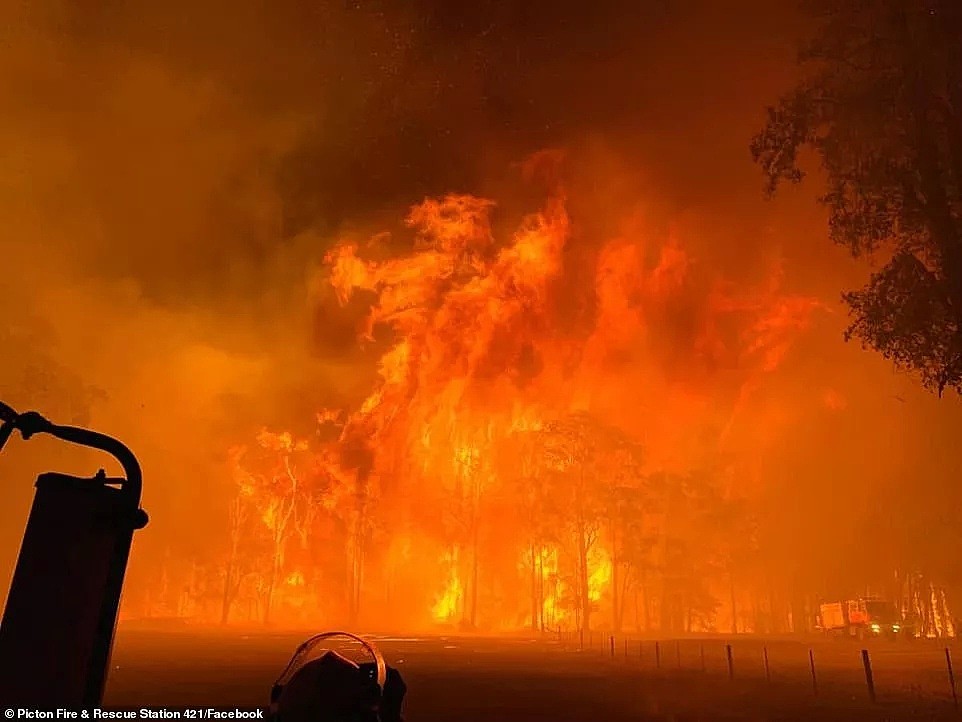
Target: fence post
948 664
611 643
768 673
701 649
731 664
657 655
678 653
581 639
811 664
869 680
626 647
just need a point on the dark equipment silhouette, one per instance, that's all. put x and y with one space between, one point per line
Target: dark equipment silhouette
332 688
58 625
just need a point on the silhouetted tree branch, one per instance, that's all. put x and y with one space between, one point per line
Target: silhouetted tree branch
882 108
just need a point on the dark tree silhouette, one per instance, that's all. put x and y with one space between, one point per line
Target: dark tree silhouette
34 374
882 107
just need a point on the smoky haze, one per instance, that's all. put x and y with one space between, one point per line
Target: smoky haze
173 175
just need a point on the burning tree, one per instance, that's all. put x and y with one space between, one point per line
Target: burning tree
239 530
627 504
536 512
587 459
496 452
278 486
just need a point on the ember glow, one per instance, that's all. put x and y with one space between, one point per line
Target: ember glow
535 466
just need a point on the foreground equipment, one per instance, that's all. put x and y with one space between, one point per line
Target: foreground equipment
321 685
58 625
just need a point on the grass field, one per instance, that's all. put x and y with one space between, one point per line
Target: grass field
521 679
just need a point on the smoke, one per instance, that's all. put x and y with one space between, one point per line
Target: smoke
172 176
149 286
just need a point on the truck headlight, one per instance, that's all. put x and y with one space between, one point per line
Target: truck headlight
876 628
896 627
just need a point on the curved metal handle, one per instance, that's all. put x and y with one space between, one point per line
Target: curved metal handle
7 413
31 423
8 416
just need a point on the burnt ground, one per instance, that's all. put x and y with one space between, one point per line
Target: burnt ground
527 680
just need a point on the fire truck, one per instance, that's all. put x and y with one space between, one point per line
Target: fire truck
861 618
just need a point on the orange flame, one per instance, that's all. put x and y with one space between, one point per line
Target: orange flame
483 353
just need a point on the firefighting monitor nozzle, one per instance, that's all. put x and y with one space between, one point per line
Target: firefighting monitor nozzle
58 625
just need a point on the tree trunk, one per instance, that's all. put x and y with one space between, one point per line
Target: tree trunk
357 549
646 599
925 601
731 593
615 595
584 598
799 623
474 577
227 598
774 615
541 587
664 611
357 564
271 582
534 589
165 582
230 590
619 621
757 611
280 531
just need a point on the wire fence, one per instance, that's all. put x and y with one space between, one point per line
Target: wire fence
879 673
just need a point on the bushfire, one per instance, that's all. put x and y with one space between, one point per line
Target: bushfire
523 460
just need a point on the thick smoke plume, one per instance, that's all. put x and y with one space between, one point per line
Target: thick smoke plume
177 184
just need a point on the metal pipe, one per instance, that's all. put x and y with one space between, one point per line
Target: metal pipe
31 423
